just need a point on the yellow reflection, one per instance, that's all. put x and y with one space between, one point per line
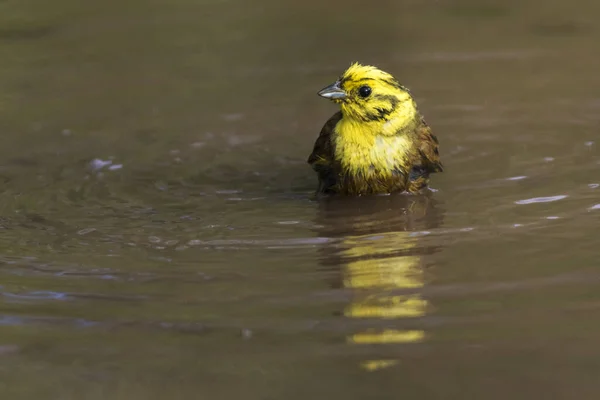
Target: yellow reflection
376 267
388 336
381 262
378 364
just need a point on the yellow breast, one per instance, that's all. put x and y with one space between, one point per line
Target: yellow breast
366 154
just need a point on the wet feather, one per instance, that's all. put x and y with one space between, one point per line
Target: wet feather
378 142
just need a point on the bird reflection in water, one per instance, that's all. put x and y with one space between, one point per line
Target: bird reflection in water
381 257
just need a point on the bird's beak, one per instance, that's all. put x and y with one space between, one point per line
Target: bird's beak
333 92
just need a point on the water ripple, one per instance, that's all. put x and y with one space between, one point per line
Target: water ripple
37 295
542 199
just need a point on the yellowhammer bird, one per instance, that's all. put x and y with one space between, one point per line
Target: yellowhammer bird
378 142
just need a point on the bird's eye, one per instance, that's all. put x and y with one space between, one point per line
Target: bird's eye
364 91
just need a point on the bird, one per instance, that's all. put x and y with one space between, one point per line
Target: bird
378 142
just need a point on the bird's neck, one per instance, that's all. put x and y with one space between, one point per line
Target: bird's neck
354 130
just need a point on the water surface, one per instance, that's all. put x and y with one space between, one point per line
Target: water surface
159 239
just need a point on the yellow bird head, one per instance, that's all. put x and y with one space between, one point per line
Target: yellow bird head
368 94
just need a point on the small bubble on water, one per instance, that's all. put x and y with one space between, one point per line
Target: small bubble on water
99 164
516 178
548 159
161 186
86 231
246 333
594 207
553 217
233 116
593 185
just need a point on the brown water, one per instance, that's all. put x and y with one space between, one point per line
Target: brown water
158 239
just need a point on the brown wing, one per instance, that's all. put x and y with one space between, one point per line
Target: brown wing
429 150
322 157
428 159
323 150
